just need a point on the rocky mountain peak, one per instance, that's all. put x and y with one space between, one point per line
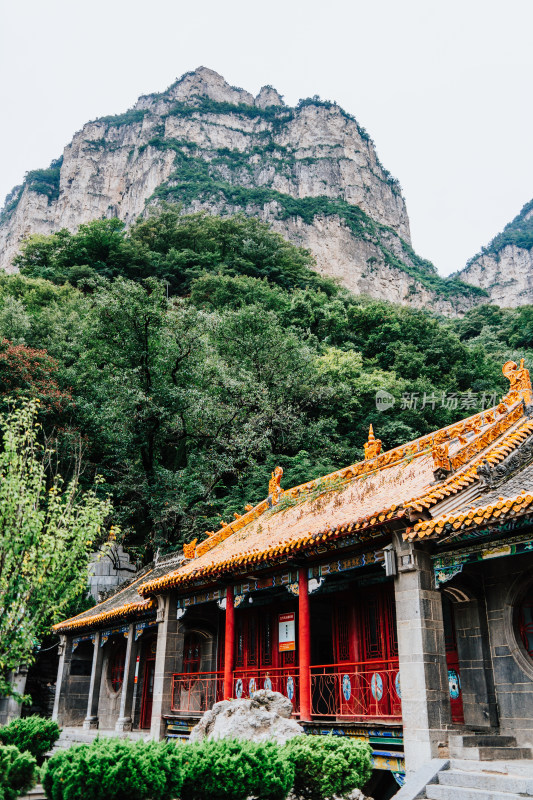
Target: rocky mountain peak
311 171
268 96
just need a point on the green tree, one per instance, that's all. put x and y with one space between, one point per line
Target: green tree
47 533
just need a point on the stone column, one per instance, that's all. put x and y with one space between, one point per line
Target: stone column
9 707
65 656
124 722
422 655
91 720
169 649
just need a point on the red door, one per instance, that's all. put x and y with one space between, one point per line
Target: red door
148 693
452 660
379 674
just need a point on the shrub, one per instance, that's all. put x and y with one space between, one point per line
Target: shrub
115 769
231 769
35 735
17 772
328 765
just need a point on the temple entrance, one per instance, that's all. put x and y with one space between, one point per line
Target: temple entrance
322 656
148 686
452 660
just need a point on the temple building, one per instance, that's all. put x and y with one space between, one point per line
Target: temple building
391 600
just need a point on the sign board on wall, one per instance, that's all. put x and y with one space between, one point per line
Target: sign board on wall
287 632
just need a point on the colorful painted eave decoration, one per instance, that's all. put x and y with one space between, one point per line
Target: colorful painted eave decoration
106 616
449 524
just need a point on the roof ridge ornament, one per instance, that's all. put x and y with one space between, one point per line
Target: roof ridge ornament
274 486
518 377
373 446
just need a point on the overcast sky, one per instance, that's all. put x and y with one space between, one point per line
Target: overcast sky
443 88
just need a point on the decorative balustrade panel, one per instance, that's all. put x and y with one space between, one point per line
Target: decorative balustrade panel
356 691
282 679
196 692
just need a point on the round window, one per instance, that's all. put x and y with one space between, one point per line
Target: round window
116 666
525 621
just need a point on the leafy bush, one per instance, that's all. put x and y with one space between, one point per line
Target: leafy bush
230 769
328 765
17 772
115 769
34 735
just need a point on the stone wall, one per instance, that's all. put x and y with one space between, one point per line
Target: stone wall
506 583
109 570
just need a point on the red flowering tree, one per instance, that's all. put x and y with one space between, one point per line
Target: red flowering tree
29 373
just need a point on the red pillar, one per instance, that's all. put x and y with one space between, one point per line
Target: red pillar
304 641
229 644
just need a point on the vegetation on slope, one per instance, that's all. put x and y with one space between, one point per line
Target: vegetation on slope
192 354
519 232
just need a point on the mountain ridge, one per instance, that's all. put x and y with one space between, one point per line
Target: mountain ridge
311 171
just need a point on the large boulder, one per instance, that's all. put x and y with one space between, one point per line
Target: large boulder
265 716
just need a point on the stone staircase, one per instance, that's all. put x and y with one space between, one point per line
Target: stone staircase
486 747
481 767
483 780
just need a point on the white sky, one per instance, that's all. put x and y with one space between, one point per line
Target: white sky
443 88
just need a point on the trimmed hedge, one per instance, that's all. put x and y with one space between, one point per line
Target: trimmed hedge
35 735
234 769
314 767
328 765
17 772
115 769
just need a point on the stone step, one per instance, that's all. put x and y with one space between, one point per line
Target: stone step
520 768
494 753
484 740
489 753
37 793
439 792
491 782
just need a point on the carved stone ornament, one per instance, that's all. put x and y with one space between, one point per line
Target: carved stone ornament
373 446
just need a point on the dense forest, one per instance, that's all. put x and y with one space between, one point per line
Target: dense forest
185 357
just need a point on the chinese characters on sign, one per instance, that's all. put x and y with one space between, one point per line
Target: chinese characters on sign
465 401
287 635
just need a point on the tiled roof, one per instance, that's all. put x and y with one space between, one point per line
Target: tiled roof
364 496
382 489
512 498
497 510
124 603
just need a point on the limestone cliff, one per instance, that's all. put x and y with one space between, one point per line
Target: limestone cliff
311 171
505 267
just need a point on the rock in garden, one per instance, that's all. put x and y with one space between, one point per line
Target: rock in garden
264 716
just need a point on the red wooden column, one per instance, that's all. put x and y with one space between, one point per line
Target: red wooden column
229 644
304 642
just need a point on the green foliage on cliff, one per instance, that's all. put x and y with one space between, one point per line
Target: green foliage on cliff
519 232
128 118
198 352
45 181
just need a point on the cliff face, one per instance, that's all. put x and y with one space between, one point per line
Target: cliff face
310 171
505 267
